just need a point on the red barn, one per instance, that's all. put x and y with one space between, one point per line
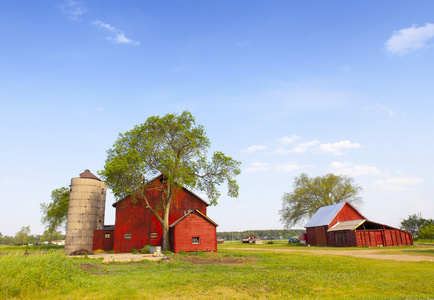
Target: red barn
341 225
136 226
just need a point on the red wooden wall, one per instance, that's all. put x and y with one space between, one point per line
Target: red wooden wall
191 226
347 213
135 223
383 237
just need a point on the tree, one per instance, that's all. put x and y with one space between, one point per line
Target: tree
172 146
22 236
310 194
54 214
427 231
414 223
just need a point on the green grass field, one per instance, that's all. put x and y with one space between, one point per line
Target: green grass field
228 274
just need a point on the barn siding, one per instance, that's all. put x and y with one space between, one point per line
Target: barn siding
135 220
347 213
101 242
191 226
350 236
383 237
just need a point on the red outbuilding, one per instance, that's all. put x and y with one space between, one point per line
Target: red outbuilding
341 225
136 226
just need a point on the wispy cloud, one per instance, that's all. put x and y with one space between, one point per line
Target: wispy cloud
410 39
73 9
257 166
118 36
336 148
397 184
348 168
288 139
385 108
254 148
288 167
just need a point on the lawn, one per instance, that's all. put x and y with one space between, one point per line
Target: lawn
228 274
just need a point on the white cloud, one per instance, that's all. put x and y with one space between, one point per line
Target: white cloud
338 146
257 166
289 167
410 39
254 148
288 139
74 9
385 108
119 37
397 184
348 168
302 147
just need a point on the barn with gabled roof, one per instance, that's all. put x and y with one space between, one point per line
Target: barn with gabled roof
342 225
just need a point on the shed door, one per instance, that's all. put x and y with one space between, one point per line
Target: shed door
321 236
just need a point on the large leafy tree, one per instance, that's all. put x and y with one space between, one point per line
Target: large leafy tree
414 223
309 194
176 148
22 237
54 214
427 231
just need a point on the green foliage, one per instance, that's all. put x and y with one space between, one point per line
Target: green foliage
54 213
414 223
427 232
310 194
176 148
134 251
22 237
145 250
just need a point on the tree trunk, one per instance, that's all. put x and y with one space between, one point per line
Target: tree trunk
166 237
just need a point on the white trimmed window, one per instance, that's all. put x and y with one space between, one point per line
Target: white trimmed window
195 240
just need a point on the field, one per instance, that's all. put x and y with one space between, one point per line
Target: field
237 271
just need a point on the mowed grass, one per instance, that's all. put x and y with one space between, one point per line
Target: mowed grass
228 274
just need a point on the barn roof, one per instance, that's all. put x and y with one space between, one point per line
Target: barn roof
189 213
324 215
347 225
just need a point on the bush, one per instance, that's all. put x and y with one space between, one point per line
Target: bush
98 251
145 249
134 251
166 252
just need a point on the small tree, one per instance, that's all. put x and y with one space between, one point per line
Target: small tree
427 232
174 147
54 213
310 194
21 237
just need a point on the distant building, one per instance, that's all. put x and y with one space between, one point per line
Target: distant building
341 225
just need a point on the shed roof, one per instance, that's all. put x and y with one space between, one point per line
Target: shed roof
324 215
347 225
189 213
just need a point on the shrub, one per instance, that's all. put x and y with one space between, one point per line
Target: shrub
145 249
98 251
134 251
166 252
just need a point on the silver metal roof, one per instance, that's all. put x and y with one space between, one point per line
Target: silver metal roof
347 225
324 215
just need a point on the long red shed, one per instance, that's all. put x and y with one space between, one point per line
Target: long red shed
136 226
341 225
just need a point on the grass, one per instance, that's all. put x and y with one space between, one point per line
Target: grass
228 274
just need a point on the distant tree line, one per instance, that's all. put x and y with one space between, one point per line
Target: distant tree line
24 237
418 226
271 234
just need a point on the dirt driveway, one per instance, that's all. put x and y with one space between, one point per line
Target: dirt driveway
122 257
383 254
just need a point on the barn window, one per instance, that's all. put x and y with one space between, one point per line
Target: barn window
154 235
195 240
127 236
107 235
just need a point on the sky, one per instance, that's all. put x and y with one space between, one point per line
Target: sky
285 87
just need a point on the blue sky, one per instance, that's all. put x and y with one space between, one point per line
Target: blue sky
286 87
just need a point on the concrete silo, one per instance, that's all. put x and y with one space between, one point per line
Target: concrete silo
85 211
